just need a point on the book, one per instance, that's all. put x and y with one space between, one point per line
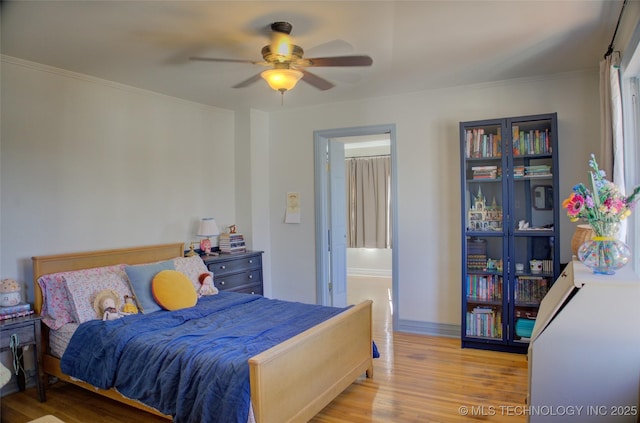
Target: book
231 236
231 243
234 251
15 315
14 309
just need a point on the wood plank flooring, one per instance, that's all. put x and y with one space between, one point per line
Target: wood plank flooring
416 379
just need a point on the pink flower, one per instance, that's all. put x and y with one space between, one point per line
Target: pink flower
574 205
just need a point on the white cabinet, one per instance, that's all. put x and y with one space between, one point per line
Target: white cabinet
584 355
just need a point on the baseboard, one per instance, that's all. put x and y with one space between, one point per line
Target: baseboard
429 328
363 271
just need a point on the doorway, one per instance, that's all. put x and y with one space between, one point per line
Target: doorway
331 212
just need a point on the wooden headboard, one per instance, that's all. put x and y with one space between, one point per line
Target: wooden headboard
44 265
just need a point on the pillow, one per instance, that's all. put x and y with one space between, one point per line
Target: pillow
193 267
56 304
83 288
173 290
56 308
140 277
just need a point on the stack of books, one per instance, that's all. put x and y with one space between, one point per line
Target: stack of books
231 243
485 322
476 254
537 171
478 144
18 310
486 172
531 289
485 288
518 171
533 141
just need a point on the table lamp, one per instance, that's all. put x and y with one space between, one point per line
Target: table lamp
207 229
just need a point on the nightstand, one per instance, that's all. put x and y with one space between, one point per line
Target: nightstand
27 332
239 272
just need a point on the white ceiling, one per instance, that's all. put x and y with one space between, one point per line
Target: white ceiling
415 45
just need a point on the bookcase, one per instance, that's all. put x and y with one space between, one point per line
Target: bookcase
510 210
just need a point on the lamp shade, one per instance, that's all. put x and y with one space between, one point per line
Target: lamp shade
208 227
282 79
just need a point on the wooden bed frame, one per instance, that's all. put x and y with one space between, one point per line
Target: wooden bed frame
290 382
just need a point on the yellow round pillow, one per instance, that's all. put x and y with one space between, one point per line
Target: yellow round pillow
173 290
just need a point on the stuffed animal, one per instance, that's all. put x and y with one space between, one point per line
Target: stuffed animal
206 285
129 306
106 305
9 293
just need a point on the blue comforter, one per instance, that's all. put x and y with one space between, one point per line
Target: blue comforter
191 363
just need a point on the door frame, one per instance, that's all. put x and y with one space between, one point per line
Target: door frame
322 209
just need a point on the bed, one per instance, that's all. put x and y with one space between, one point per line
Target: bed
289 382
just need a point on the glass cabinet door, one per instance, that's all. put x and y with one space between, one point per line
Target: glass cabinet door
484 293
484 249
532 178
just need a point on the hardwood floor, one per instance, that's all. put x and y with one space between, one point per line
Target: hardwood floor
416 379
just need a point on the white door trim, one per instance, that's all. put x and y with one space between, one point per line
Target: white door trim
321 139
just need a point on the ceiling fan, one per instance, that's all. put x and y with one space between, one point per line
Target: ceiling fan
288 64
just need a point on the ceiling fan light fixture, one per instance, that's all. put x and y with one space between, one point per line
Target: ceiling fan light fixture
282 79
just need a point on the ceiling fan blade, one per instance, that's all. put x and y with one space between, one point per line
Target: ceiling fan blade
339 61
214 59
248 81
313 79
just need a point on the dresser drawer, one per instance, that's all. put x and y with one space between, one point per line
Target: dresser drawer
236 265
26 335
238 280
253 289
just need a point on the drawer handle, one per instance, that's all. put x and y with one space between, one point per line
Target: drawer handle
250 261
223 267
250 276
253 292
221 282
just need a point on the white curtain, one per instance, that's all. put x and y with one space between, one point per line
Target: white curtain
369 202
611 158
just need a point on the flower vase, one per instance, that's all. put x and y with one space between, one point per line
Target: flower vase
604 253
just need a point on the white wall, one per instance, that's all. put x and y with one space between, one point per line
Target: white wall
429 238
369 262
89 164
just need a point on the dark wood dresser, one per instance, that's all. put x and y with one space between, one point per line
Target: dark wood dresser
238 272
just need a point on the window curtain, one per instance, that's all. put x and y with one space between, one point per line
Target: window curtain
369 202
612 141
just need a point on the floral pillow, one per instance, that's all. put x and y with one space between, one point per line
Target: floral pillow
57 309
83 288
193 267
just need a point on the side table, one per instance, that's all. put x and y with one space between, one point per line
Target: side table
25 331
